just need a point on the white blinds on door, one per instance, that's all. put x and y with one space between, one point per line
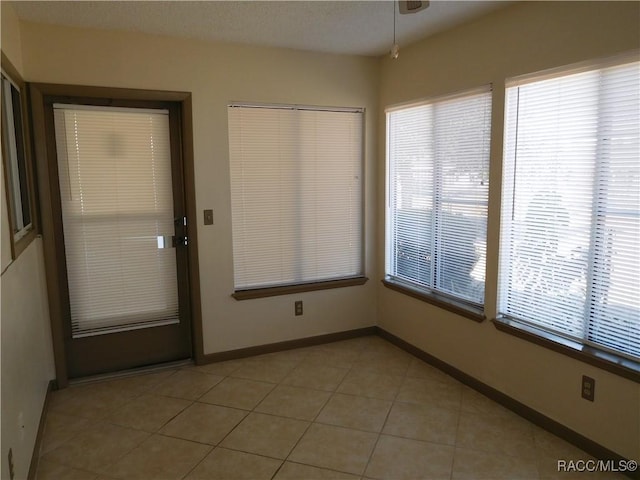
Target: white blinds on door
571 206
114 167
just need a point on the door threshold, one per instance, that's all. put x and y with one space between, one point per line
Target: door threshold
131 372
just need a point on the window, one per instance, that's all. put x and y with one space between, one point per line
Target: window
570 262
437 188
296 196
16 161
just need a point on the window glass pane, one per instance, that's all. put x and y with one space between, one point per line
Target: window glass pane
21 160
571 197
17 173
438 164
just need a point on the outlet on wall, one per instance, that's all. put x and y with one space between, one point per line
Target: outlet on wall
298 307
588 388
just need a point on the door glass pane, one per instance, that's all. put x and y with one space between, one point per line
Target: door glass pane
114 169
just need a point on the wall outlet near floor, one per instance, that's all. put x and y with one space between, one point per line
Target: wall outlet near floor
12 472
588 388
298 307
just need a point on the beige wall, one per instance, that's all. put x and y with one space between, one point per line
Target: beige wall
519 39
26 363
217 74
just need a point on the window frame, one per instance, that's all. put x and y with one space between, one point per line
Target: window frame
319 284
462 307
602 357
22 239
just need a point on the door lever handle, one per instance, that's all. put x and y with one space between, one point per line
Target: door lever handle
166 241
180 241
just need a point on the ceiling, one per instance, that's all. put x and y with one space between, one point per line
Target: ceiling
347 27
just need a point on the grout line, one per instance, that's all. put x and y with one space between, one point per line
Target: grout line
91 422
393 402
315 418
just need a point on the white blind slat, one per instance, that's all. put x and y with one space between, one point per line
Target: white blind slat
296 194
570 261
438 163
114 167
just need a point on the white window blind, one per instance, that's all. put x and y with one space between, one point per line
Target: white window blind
114 167
296 195
570 257
438 181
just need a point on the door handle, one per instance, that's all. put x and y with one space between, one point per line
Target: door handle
179 241
169 241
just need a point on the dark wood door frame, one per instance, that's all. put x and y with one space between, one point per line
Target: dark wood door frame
51 227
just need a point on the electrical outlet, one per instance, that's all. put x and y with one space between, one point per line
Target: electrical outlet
588 388
298 307
12 472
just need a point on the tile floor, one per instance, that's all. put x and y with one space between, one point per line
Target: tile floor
357 409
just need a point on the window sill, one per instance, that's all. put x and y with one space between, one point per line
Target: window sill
21 244
607 361
441 301
302 287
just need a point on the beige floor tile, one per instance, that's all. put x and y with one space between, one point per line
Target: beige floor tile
294 402
548 445
159 458
476 465
238 393
96 447
93 401
432 413
420 369
148 412
496 434
141 383
551 449
334 355
387 351
271 370
295 355
384 362
421 422
204 423
401 458
320 377
370 341
266 435
371 384
60 428
428 392
223 369
380 346
48 470
475 402
355 412
223 464
335 448
187 384
297 471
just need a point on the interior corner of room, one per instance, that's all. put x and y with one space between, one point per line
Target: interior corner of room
205 80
